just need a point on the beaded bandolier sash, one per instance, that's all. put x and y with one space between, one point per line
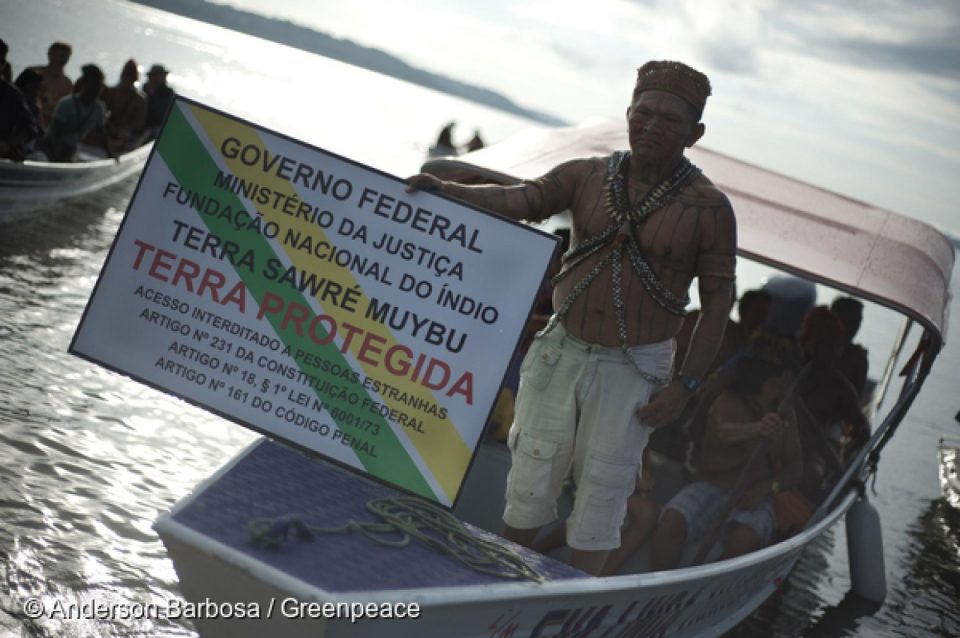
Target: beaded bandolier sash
622 235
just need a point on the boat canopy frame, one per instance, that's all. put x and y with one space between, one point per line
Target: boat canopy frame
851 246
878 255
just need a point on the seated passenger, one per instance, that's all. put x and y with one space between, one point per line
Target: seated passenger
752 309
6 71
126 111
18 126
679 440
56 84
853 360
75 116
159 98
750 451
791 298
828 394
830 414
29 83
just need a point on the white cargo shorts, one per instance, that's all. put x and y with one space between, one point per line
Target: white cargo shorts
576 410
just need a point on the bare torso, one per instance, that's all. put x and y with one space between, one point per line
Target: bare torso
55 86
671 239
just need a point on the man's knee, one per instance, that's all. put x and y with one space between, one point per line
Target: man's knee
669 538
642 508
741 539
672 524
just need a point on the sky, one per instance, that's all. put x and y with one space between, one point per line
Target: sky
861 97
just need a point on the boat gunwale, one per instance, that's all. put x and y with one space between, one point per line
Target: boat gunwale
39 166
167 524
29 187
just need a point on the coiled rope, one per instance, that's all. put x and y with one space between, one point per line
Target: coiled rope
405 518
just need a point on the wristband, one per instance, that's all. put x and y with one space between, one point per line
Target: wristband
689 382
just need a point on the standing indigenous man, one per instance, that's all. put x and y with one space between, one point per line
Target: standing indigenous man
645 223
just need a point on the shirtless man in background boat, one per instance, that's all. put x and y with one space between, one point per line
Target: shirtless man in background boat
56 84
645 223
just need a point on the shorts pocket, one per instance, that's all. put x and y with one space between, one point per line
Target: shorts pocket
531 473
538 366
610 483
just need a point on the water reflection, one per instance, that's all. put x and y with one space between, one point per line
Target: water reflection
789 610
65 227
843 618
924 602
87 458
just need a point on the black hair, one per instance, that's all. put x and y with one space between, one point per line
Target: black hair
849 310
27 77
92 72
750 375
753 296
766 355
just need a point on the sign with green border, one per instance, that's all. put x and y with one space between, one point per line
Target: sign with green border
314 300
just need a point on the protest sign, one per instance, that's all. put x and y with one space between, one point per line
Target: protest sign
312 299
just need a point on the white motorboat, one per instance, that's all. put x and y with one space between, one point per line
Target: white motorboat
948 455
33 185
298 588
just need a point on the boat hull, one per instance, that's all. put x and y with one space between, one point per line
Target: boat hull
217 570
31 186
881 258
948 453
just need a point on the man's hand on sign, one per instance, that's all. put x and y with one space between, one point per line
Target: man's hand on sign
423 182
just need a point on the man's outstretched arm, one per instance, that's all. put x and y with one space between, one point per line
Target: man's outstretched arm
531 200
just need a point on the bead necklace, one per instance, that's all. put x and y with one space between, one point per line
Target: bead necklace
622 214
618 203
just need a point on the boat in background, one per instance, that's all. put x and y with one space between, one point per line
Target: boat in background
436 151
31 186
948 455
893 262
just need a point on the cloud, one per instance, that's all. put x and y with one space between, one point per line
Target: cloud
908 37
938 59
738 36
730 56
576 57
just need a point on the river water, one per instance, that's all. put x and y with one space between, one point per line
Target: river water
88 459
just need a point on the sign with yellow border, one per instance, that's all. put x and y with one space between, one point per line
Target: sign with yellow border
312 299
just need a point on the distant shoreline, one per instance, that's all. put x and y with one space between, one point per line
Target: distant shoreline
313 41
